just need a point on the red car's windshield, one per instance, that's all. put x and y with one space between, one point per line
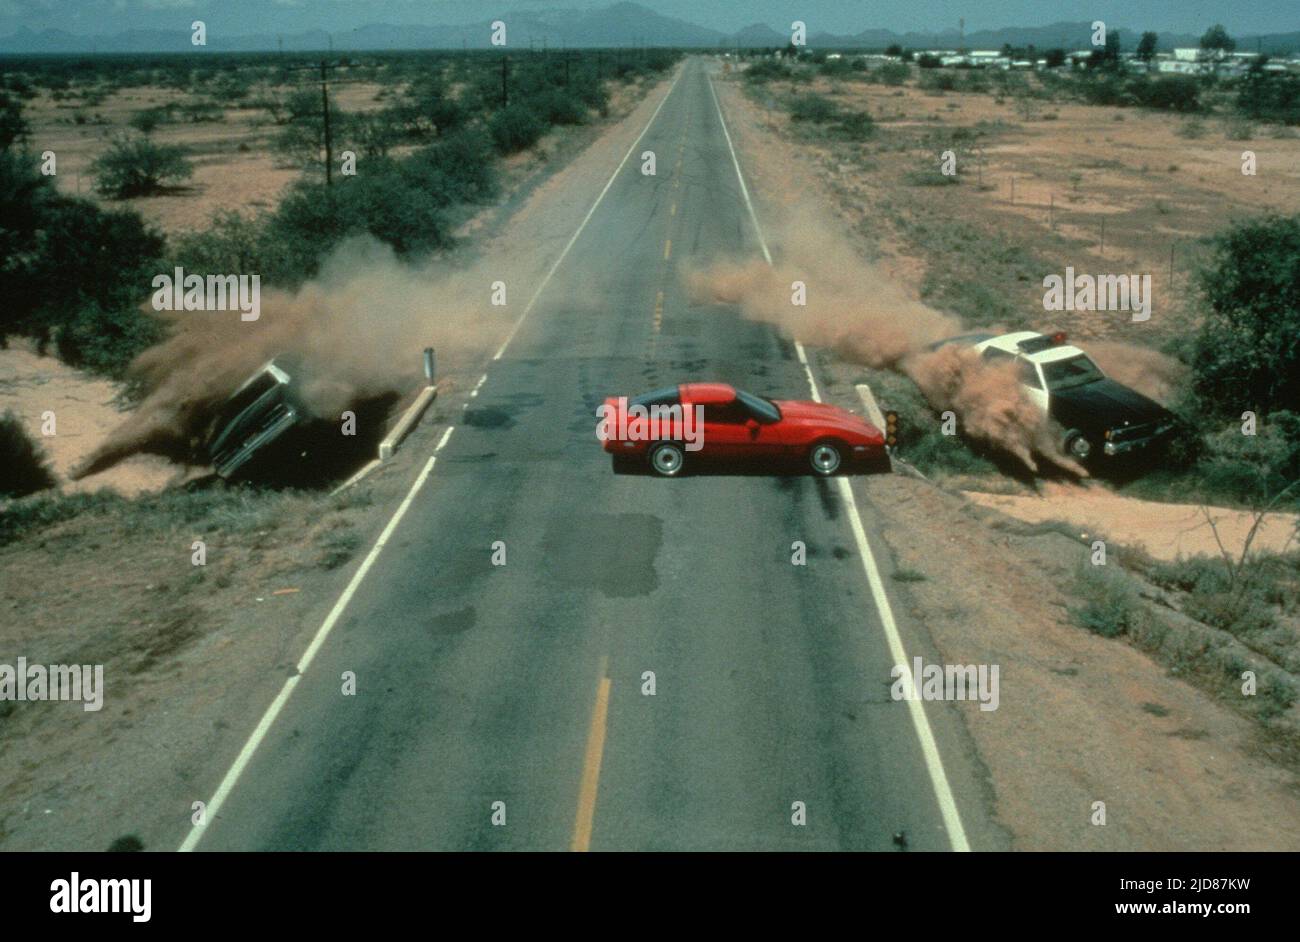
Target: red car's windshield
764 410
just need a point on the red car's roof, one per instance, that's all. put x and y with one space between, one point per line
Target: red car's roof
704 393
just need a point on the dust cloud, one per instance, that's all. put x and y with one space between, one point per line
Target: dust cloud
850 308
358 330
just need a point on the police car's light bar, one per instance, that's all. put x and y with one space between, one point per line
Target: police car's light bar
1036 344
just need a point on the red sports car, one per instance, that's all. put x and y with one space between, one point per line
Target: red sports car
670 427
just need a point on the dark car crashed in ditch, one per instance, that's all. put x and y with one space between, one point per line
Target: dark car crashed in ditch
267 431
1098 417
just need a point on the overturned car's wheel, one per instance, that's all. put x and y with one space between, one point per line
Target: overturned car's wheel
666 459
824 457
1077 446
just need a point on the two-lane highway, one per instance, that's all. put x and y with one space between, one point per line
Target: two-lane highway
508 706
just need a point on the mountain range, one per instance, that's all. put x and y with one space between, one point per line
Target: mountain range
620 25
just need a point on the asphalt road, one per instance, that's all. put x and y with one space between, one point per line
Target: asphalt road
523 683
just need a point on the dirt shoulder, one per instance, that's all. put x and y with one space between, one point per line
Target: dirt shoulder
193 655
1082 718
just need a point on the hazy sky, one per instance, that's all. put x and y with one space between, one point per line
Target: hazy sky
90 17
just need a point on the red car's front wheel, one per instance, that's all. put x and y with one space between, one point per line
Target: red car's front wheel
825 458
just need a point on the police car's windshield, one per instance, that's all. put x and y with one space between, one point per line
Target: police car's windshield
1071 372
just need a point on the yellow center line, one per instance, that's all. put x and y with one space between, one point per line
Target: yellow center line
659 311
668 249
672 210
591 765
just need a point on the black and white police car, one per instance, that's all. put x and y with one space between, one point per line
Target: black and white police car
1097 415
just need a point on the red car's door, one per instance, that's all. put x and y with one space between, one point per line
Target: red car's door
731 431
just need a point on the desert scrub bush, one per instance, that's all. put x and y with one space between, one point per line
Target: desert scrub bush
459 167
934 80
13 127
765 70
1263 96
855 126
1246 355
23 469
1238 129
1180 93
891 73
1110 604
384 203
812 108
237 510
134 167
515 128
557 107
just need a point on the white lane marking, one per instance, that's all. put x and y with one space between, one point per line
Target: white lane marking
264 725
807 371
735 162
920 722
929 748
586 219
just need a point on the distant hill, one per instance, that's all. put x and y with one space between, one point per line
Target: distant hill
622 24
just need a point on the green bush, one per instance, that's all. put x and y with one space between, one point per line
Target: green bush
1179 93
1264 96
515 128
22 464
73 274
457 169
1247 354
765 70
106 339
855 126
892 73
815 109
13 127
138 167
556 106
935 80
1110 604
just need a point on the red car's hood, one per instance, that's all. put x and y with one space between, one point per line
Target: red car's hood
800 412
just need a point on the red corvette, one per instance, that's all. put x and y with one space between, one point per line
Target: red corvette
669 427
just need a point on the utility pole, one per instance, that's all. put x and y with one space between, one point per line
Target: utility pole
325 102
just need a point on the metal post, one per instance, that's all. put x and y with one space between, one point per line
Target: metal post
428 365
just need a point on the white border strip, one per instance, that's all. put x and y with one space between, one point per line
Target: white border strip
213 807
929 748
586 219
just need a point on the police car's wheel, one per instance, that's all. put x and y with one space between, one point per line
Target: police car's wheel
1078 447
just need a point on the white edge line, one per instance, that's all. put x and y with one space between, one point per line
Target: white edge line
586 219
213 807
920 722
